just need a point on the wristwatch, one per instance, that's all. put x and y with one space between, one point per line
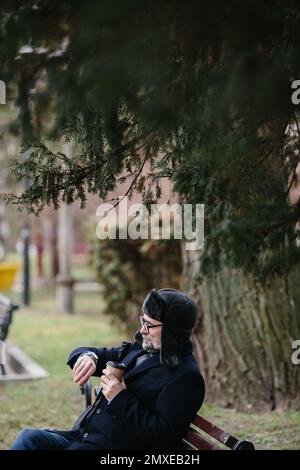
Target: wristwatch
91 354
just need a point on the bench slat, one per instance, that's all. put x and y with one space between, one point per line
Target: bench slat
200 442
216 432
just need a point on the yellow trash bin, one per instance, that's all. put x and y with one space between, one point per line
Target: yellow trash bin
8 272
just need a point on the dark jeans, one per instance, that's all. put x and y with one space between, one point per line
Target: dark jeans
40 439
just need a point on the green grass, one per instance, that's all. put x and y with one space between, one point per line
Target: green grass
48 337
273 430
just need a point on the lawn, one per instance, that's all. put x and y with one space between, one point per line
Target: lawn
48 337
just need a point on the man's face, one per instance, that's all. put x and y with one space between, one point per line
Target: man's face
152 337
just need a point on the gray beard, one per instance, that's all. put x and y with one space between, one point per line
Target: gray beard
150 348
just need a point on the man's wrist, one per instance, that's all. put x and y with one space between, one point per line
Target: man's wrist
90 354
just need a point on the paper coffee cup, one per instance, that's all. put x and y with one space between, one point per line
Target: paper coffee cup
116 368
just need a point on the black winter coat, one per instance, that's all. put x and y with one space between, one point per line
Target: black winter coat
155 410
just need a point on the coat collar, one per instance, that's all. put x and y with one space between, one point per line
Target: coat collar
153 361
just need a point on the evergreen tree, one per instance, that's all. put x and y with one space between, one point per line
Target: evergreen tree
205 84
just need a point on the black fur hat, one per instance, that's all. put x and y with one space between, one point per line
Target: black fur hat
178 314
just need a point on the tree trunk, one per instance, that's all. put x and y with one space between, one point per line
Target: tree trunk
243 337
64 280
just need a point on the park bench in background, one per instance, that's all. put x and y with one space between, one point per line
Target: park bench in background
202 433
7 308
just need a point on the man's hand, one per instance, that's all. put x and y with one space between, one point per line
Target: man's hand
111 386
83 369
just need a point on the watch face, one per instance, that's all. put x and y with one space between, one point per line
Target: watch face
92 355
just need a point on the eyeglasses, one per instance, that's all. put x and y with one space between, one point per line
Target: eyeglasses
147 325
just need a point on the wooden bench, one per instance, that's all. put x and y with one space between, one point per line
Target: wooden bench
201 433
7 308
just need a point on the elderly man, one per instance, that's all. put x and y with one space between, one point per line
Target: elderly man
157 399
